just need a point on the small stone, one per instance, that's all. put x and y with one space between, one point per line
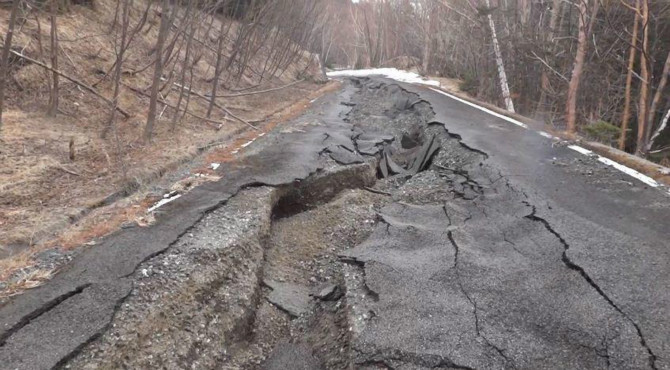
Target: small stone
292 298
329 292
128 224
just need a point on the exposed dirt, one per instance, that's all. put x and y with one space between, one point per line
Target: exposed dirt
352 267
28 268
43 192
208 300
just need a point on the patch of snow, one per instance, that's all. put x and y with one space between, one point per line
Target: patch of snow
163 202
521 124
410 77
629 171
581 150
214 166
392 73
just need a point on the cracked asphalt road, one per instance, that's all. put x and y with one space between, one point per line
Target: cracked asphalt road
507 252
543 266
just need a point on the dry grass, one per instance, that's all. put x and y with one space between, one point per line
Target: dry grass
46 200
133 209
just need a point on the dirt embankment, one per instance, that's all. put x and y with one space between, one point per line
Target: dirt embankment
61 185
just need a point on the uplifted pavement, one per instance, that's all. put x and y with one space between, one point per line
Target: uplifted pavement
550 261
506 251
47 326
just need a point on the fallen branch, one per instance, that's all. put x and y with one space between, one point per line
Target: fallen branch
659 150
72 79
207 120
376 191
258 92
215 104
62 168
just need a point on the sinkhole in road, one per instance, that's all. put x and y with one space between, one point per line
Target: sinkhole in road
312 221
223 295
303 314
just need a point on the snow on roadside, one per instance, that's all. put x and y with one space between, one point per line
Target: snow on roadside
167 198
411 77
627 170
392 73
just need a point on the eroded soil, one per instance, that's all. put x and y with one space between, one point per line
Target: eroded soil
387 243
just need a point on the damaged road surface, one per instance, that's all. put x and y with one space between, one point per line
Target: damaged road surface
390 227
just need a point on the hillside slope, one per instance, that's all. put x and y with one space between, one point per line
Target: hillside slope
56 170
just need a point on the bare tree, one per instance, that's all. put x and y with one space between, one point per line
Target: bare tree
120 52
4 62
629 78
654 104
164 28
644 84
578 66
53 99
545 82
661 127
218 66
502 75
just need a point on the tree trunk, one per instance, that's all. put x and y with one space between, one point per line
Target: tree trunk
217 67
158 69
4 62
659 130
640 148
544 79
185 66
629 78
53 101
504 86
125 20
656 100
427 28
578 67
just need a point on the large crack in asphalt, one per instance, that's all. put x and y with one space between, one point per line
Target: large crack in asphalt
420 292
25 320
575 267
486 207
296 159
470 299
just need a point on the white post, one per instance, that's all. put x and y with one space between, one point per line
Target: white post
504 86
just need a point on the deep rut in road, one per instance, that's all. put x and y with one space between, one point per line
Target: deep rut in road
407 249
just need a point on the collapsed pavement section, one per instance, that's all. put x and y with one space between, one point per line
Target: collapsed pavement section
364 234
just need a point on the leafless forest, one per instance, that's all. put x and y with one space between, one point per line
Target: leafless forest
595 66
104 96
229 32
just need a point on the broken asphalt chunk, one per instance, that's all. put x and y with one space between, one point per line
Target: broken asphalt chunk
292 298
328 292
